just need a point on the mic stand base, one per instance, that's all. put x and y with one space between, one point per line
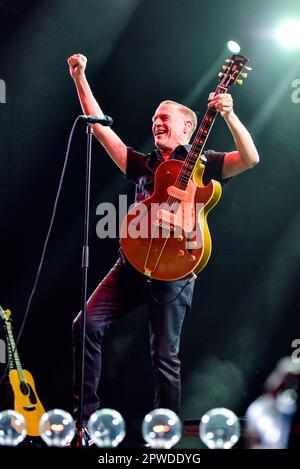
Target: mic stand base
81 439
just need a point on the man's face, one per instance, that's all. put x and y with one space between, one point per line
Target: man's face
169 127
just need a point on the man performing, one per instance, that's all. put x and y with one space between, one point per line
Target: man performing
125 288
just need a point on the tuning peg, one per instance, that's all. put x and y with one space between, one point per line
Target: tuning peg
229 61
225 68
247 68
220 74
243 74
239 82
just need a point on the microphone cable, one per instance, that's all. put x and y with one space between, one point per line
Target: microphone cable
37 276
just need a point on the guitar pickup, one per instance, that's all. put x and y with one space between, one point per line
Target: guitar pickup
167 218
179 194
166 228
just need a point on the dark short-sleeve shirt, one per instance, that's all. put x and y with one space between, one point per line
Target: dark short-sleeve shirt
141 168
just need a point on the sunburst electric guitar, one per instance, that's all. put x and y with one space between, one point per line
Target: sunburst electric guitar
26 400
166 237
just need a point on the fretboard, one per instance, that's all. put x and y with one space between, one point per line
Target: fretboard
12 350
197 145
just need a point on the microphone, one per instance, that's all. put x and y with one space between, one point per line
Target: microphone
103 120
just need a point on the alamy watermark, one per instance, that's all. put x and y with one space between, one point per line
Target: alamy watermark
295 96
2 92
296 353
182 220
2 351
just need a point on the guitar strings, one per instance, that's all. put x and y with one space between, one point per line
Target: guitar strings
172 199
209 117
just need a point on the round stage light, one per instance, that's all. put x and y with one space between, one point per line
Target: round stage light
288 34
219 429
233 47
161 428
12 428
57 428
106 428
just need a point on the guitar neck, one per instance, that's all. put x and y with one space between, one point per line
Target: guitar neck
13 353
198 144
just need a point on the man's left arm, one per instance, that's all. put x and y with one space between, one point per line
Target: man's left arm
246 155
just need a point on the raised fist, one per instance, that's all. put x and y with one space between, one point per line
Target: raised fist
77 64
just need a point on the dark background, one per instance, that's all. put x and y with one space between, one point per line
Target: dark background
246 305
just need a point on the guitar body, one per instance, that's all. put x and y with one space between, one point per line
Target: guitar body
26 400
166 237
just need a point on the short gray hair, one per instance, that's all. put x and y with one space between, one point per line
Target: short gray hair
189 113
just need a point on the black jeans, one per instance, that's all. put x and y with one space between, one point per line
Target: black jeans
122 290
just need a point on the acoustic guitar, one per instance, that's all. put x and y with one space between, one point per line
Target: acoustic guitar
26 400
166 237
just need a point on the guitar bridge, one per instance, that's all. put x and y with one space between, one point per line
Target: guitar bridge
29 408
163 226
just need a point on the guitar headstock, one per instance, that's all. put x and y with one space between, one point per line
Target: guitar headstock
5 315
233 70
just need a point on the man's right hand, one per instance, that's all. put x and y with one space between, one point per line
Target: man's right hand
114 146
77 64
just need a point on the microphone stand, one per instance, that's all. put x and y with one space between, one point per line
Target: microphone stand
78 439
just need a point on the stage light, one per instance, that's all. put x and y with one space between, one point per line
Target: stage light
269 419
288 34
233 47
219 429
56 428
161 428
12 428
106 428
